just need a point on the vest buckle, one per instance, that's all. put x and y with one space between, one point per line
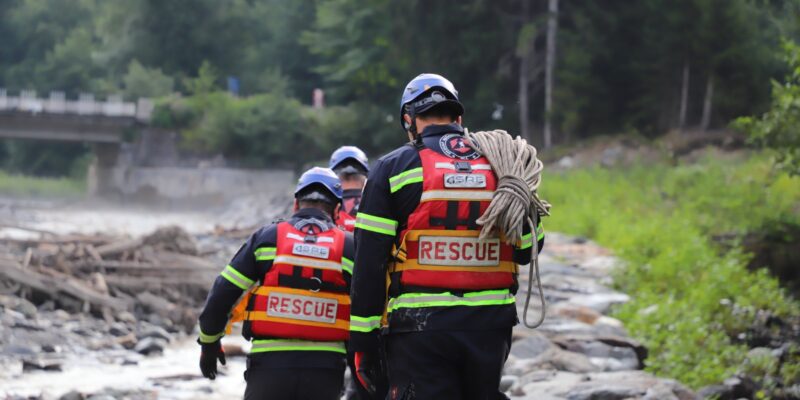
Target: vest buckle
310 239
463 166
317 285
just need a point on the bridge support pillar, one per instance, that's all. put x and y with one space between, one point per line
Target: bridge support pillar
101 172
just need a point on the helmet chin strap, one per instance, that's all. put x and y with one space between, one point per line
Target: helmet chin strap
412 127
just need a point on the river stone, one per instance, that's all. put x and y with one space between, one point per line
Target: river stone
126 316
557 359
605 356
507 381
61 315
150 345
719 392
659 393
603 392
532 346
602 265
573 311
600 302
554 386
154 332
101 397
73 395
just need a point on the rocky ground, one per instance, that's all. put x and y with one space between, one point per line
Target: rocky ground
578 353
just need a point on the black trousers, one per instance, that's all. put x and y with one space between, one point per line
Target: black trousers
447 364
357 392
294 384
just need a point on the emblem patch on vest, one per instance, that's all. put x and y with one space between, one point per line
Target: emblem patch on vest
310 250
469 181
453 145
304 308
459 251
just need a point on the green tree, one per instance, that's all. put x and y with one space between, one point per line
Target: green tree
146 82
779 128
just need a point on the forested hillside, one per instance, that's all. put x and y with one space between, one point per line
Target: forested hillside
619 66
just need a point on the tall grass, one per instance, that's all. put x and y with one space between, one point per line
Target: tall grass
28 186
691 298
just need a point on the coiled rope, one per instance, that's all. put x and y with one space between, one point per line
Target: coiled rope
515 200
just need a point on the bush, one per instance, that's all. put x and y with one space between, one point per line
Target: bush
779 128
689 297
273 130
146 82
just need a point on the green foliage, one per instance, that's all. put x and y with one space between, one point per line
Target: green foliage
27 186
690 298
47 159
271 130
619 63
779 128
141 81
205 82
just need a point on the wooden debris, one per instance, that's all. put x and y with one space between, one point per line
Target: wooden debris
158 274
56 286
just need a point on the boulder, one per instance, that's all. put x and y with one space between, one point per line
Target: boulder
153 331
150 345
552 359
603 392
73 395
507 381
531 346
611 353
718 392
600 302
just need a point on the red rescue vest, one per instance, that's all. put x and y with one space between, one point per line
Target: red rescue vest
304 294
346 221
440 248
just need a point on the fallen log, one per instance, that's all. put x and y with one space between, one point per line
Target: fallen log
118 247
58 240
53 286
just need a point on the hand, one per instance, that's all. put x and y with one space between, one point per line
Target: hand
210 353
369 370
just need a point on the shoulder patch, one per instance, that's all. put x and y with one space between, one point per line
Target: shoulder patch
453 145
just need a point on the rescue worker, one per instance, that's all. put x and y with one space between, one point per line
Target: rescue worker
297 273
451 303
351 165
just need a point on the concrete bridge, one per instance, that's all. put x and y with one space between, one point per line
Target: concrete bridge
100 123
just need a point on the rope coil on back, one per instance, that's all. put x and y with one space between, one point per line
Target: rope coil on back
515 200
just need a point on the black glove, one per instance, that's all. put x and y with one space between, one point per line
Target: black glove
210 353
369 370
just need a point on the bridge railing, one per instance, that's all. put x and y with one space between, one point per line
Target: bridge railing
113 106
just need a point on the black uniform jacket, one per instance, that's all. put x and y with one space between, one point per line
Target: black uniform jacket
243 272
388 199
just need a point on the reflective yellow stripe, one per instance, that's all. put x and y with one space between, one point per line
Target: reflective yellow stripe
466 195
265 253
362 324
526 242
308 262
347 265
261 346
447 299
235 277
398 181
372 223
206 338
